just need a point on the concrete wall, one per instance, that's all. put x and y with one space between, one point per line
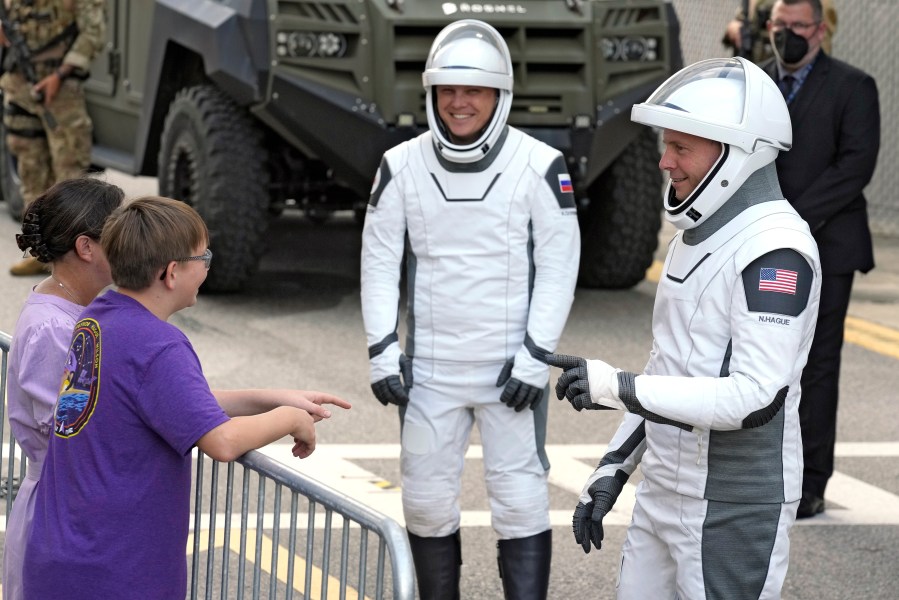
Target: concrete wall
865 38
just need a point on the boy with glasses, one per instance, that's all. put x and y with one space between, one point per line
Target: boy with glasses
112 512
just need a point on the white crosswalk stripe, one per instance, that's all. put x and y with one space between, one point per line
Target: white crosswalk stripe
850 500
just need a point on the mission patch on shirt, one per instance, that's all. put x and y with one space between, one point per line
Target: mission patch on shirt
80 385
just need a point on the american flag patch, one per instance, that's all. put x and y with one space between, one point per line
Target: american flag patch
778 280
565 184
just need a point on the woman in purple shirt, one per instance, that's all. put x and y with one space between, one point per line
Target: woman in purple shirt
61 228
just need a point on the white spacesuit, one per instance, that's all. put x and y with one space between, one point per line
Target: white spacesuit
490 236
713 419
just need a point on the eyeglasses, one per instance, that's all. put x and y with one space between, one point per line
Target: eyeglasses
799 27
206 257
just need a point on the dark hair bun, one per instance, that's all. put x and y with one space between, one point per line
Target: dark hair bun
31 238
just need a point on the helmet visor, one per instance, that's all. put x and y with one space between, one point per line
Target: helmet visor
716 89
469 52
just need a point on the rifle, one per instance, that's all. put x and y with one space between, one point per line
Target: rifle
746 41
18 54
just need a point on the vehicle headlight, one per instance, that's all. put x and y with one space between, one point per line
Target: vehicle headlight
310 44
630 48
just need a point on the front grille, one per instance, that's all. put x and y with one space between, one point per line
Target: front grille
551 76
558 65
627 17
325 13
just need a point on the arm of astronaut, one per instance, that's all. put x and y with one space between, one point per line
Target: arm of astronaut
383 241
623 454
603 487
556 258
771 329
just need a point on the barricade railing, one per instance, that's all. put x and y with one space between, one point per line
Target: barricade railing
11 473
263 530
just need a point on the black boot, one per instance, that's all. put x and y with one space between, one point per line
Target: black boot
524 566
437 561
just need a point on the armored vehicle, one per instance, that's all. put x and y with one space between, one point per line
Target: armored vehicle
244 107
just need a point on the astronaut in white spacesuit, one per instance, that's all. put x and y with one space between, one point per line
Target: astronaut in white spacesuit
713 419
486 217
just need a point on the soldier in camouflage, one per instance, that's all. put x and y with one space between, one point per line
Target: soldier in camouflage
48 129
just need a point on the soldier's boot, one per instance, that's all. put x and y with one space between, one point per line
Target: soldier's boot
437 561
28 266
524 566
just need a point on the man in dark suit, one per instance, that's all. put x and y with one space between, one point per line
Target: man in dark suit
835 113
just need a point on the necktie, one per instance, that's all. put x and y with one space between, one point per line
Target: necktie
786 85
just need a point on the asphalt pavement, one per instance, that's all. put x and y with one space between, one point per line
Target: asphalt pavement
875 295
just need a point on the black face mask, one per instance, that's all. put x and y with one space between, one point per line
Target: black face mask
790 47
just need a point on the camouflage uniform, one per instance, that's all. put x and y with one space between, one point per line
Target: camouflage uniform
57 32
761 44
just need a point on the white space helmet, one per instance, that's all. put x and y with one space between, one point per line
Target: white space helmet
469 52
729 100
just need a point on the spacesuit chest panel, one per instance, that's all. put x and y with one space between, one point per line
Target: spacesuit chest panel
691 319
470 236
476 214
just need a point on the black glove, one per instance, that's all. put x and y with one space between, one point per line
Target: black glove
517 394
390 390
587 525
573 383
587 519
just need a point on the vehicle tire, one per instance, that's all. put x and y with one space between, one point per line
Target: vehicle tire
359 212
211 156
318 215
620 227
10 185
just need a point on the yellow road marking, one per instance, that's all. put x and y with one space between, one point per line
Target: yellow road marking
872 336
654 272
299 565
860 332
384 484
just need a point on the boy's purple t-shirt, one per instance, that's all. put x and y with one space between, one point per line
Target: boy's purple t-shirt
112 511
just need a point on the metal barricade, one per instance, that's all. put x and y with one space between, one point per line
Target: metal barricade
14 462
237 548
325 530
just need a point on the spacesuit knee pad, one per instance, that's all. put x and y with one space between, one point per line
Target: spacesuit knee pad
430 512
519 506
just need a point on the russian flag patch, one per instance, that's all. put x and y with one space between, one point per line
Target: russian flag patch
565 184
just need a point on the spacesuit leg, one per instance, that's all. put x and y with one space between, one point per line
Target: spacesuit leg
515 469
436 426
435 429
647 569
515 465
745 549
678 546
